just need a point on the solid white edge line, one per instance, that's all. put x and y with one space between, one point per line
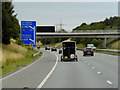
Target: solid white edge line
21 69
45 79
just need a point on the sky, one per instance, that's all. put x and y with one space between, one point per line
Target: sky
66 0
70 14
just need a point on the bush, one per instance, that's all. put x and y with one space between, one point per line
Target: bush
20 42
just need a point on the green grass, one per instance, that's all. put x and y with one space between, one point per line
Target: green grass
51 45
80 46
114 45
11 66
28 59
8 69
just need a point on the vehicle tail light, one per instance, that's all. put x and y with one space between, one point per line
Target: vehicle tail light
61 56
91 50
85 50
76 56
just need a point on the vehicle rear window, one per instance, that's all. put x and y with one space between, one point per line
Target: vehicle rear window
68 44
88 49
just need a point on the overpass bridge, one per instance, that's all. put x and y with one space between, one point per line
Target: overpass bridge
83 34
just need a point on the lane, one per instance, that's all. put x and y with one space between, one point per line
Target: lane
33 75
106 64
99 71
88 72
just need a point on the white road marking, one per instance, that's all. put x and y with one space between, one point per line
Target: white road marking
49 74
21 69
88 63
98 72
93 67
109 82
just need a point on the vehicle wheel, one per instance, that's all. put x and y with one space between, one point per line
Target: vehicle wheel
92 55
76 60
84 55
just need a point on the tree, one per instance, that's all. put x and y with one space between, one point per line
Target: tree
113 23
83 24
10 25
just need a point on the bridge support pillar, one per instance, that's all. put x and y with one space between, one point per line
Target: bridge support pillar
104 43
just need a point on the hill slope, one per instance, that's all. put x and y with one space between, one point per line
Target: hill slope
113 23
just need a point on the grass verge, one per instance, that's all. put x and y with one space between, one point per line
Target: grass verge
111 53
12 66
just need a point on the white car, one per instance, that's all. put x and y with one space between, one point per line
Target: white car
92 47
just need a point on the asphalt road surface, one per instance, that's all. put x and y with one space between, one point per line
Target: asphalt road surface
99 71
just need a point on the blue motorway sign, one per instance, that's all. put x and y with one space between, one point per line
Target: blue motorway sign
28 32
34 45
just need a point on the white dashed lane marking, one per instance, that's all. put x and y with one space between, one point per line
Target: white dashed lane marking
109 82
93 67
98 72
88 63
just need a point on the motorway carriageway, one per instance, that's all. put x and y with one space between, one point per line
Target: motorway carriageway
99 71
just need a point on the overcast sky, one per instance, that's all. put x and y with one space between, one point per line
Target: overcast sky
71 14
66 0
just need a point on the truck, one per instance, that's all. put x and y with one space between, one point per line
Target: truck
69 51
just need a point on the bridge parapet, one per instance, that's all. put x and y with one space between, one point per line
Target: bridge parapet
96 31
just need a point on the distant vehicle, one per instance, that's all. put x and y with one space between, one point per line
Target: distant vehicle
69 51
56 46
88 51
76 47
60 51
47 48
53 49
91 46
38 47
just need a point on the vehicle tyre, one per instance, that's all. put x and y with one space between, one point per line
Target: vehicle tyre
92 55
76 60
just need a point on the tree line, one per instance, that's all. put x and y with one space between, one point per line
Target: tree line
53 40
10 24
112 23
